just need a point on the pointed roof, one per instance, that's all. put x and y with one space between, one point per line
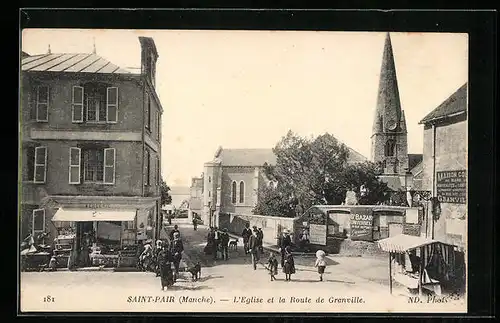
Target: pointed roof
455 104
388 114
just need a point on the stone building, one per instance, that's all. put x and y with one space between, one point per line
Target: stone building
389 140
90 145
445 167
232 180
196 196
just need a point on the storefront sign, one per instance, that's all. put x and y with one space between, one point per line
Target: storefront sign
451 186
362 224
317 234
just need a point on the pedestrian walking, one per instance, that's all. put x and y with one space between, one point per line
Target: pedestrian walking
165 265
195 223
211 247
304 239
175 230
224 243
284 242
246 236
260 236
176 249
320 263
289 266
253 247
272 266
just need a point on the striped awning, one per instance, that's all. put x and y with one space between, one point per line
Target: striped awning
89 215
403 242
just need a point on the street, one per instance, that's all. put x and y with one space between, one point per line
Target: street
224 281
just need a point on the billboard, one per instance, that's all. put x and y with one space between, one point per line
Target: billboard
451 186
362 224
317 234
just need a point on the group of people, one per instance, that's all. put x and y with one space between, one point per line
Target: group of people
217 243
252 243
162 256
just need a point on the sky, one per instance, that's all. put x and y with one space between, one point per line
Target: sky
246 89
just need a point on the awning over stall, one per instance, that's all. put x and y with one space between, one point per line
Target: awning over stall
86 215
404 242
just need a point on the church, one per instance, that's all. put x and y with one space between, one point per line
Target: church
389 139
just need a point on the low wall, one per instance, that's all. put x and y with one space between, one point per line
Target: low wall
271 226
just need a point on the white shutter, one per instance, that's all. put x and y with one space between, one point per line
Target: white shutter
77 104
112 104
40 169
109 165
75 165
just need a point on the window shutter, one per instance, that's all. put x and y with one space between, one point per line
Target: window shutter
75 165
109 165
77 105
40 165
42 104
112 104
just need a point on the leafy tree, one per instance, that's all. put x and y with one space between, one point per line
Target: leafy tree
166 198
311 171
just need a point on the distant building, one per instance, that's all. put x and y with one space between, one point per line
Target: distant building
91 148
389 140
445 166
196 196
232 180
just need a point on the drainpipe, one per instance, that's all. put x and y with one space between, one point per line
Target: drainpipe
433 174
143 136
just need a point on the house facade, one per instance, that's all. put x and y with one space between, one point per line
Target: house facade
445 167
90 144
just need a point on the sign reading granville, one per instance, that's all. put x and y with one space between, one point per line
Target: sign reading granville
362 224
451 186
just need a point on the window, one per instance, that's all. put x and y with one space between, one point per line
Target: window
77 104
40 167
242 192
101 103
29 165
389 147
74 165
148 112
38 221
158 125
233 192
42 104
209 179
98 165
158 171
146 169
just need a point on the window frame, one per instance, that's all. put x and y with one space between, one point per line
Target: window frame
35 164
147 171
108 105
38 103
75 165
241 198
33 231
73 104
234 194
107 150
147 124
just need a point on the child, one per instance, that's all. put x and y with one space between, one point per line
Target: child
320 263
272 266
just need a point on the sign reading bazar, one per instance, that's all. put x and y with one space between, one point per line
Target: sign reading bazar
451 186
362 224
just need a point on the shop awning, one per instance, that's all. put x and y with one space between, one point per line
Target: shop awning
403 242
85 215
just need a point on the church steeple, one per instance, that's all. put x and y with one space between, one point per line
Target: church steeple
388 115
389 136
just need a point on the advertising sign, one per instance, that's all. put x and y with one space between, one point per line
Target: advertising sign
451 186
317 234
362 224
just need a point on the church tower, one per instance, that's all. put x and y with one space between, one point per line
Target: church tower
389 135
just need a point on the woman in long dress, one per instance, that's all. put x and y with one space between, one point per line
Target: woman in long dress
289 264
165 268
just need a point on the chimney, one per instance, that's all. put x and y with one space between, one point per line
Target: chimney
149 56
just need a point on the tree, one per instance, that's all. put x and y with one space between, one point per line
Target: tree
311 171
165 193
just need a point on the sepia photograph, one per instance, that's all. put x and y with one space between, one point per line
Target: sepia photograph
242 171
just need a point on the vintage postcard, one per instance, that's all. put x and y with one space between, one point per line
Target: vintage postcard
243 171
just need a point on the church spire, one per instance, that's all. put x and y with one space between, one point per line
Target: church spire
388 115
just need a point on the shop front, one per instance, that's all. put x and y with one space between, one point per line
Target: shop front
103 234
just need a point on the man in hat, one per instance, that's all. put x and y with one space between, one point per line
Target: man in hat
253 246
176 250
246 236
175 230
283 242
224 242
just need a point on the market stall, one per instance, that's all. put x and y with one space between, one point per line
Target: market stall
419 263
